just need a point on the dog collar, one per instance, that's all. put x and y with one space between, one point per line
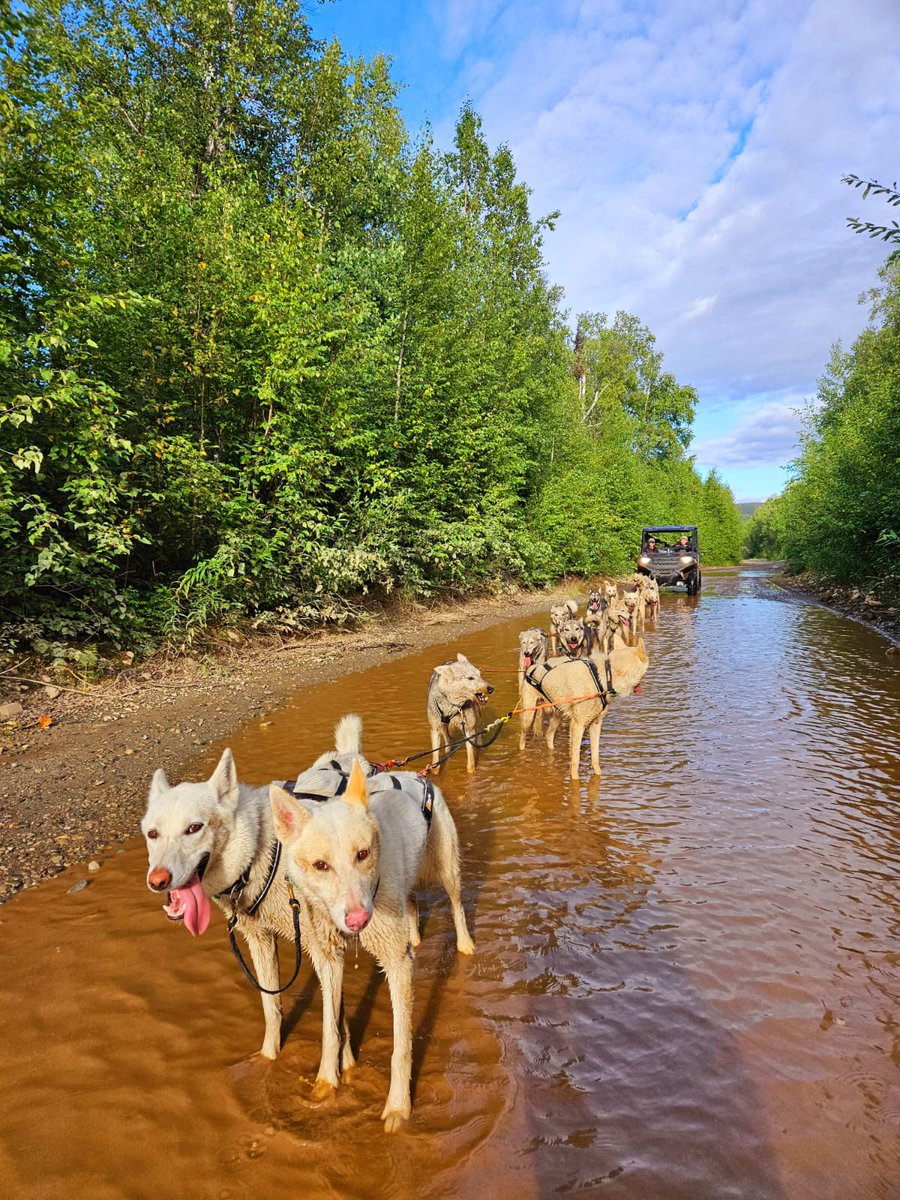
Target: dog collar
236 890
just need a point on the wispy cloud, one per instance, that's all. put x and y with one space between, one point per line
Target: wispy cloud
765 434
695 153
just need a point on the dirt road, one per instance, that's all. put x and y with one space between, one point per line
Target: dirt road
79 785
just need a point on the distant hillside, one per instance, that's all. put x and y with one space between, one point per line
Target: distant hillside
748 508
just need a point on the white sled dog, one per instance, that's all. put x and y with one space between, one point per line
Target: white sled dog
217 839
354 862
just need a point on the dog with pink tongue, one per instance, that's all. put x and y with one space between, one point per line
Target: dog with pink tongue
215 839
354 844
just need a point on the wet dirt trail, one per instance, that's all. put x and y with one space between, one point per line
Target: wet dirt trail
686 983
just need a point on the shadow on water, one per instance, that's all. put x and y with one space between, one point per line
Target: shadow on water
685 982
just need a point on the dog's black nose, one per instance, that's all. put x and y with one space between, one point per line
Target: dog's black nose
490 689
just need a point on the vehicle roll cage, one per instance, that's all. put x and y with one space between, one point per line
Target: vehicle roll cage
652 530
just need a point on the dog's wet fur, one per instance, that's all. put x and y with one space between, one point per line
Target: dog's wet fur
457 693
571 678
202 836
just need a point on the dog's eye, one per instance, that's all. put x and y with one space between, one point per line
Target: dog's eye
362 855
195 828
153 833
320 865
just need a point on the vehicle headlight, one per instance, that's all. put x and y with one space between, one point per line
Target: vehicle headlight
644 560
686 560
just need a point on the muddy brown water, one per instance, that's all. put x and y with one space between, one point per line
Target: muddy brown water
686 982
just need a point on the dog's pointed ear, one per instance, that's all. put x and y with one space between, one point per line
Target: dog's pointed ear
572 606
357 793
641 651
224 780
441 670
288 815
461 658
159 783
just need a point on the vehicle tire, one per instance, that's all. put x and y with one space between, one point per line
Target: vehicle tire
699 582
693 583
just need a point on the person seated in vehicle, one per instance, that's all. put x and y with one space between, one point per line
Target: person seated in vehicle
652 547
684 545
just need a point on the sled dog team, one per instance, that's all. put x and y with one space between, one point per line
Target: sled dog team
338 852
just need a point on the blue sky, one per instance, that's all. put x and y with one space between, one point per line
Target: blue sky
695 151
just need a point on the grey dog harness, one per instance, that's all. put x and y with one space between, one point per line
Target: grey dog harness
603 693
426 807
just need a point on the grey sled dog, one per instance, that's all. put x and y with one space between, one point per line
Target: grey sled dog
203 838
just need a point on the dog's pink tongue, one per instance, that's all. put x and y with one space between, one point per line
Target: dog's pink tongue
196 906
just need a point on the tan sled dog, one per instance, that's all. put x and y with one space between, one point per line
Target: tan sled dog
564 681
457 692
618 625
354 861
649 589
532 653
634 602
559 613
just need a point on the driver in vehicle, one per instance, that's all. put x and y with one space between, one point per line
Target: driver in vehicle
651 545
684 545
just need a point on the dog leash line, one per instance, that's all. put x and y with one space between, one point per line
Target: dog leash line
295 912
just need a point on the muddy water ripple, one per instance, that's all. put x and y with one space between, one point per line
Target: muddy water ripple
686 982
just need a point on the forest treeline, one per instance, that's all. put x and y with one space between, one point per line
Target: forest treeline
264 351
840 516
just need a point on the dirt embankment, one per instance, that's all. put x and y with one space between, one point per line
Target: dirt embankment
73 785
874 606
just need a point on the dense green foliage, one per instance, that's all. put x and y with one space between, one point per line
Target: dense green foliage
841 515
263 353
764 532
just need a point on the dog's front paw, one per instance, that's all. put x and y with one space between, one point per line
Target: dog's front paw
270 1048
395 1118
465 945
323 1089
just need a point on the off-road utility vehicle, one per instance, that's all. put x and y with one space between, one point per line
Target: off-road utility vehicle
671 555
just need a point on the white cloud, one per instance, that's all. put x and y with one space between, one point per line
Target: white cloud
695 152
699 308
766 434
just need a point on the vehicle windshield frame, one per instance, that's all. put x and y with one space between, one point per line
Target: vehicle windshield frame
664 544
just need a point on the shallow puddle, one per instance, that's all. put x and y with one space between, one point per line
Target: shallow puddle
686 981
